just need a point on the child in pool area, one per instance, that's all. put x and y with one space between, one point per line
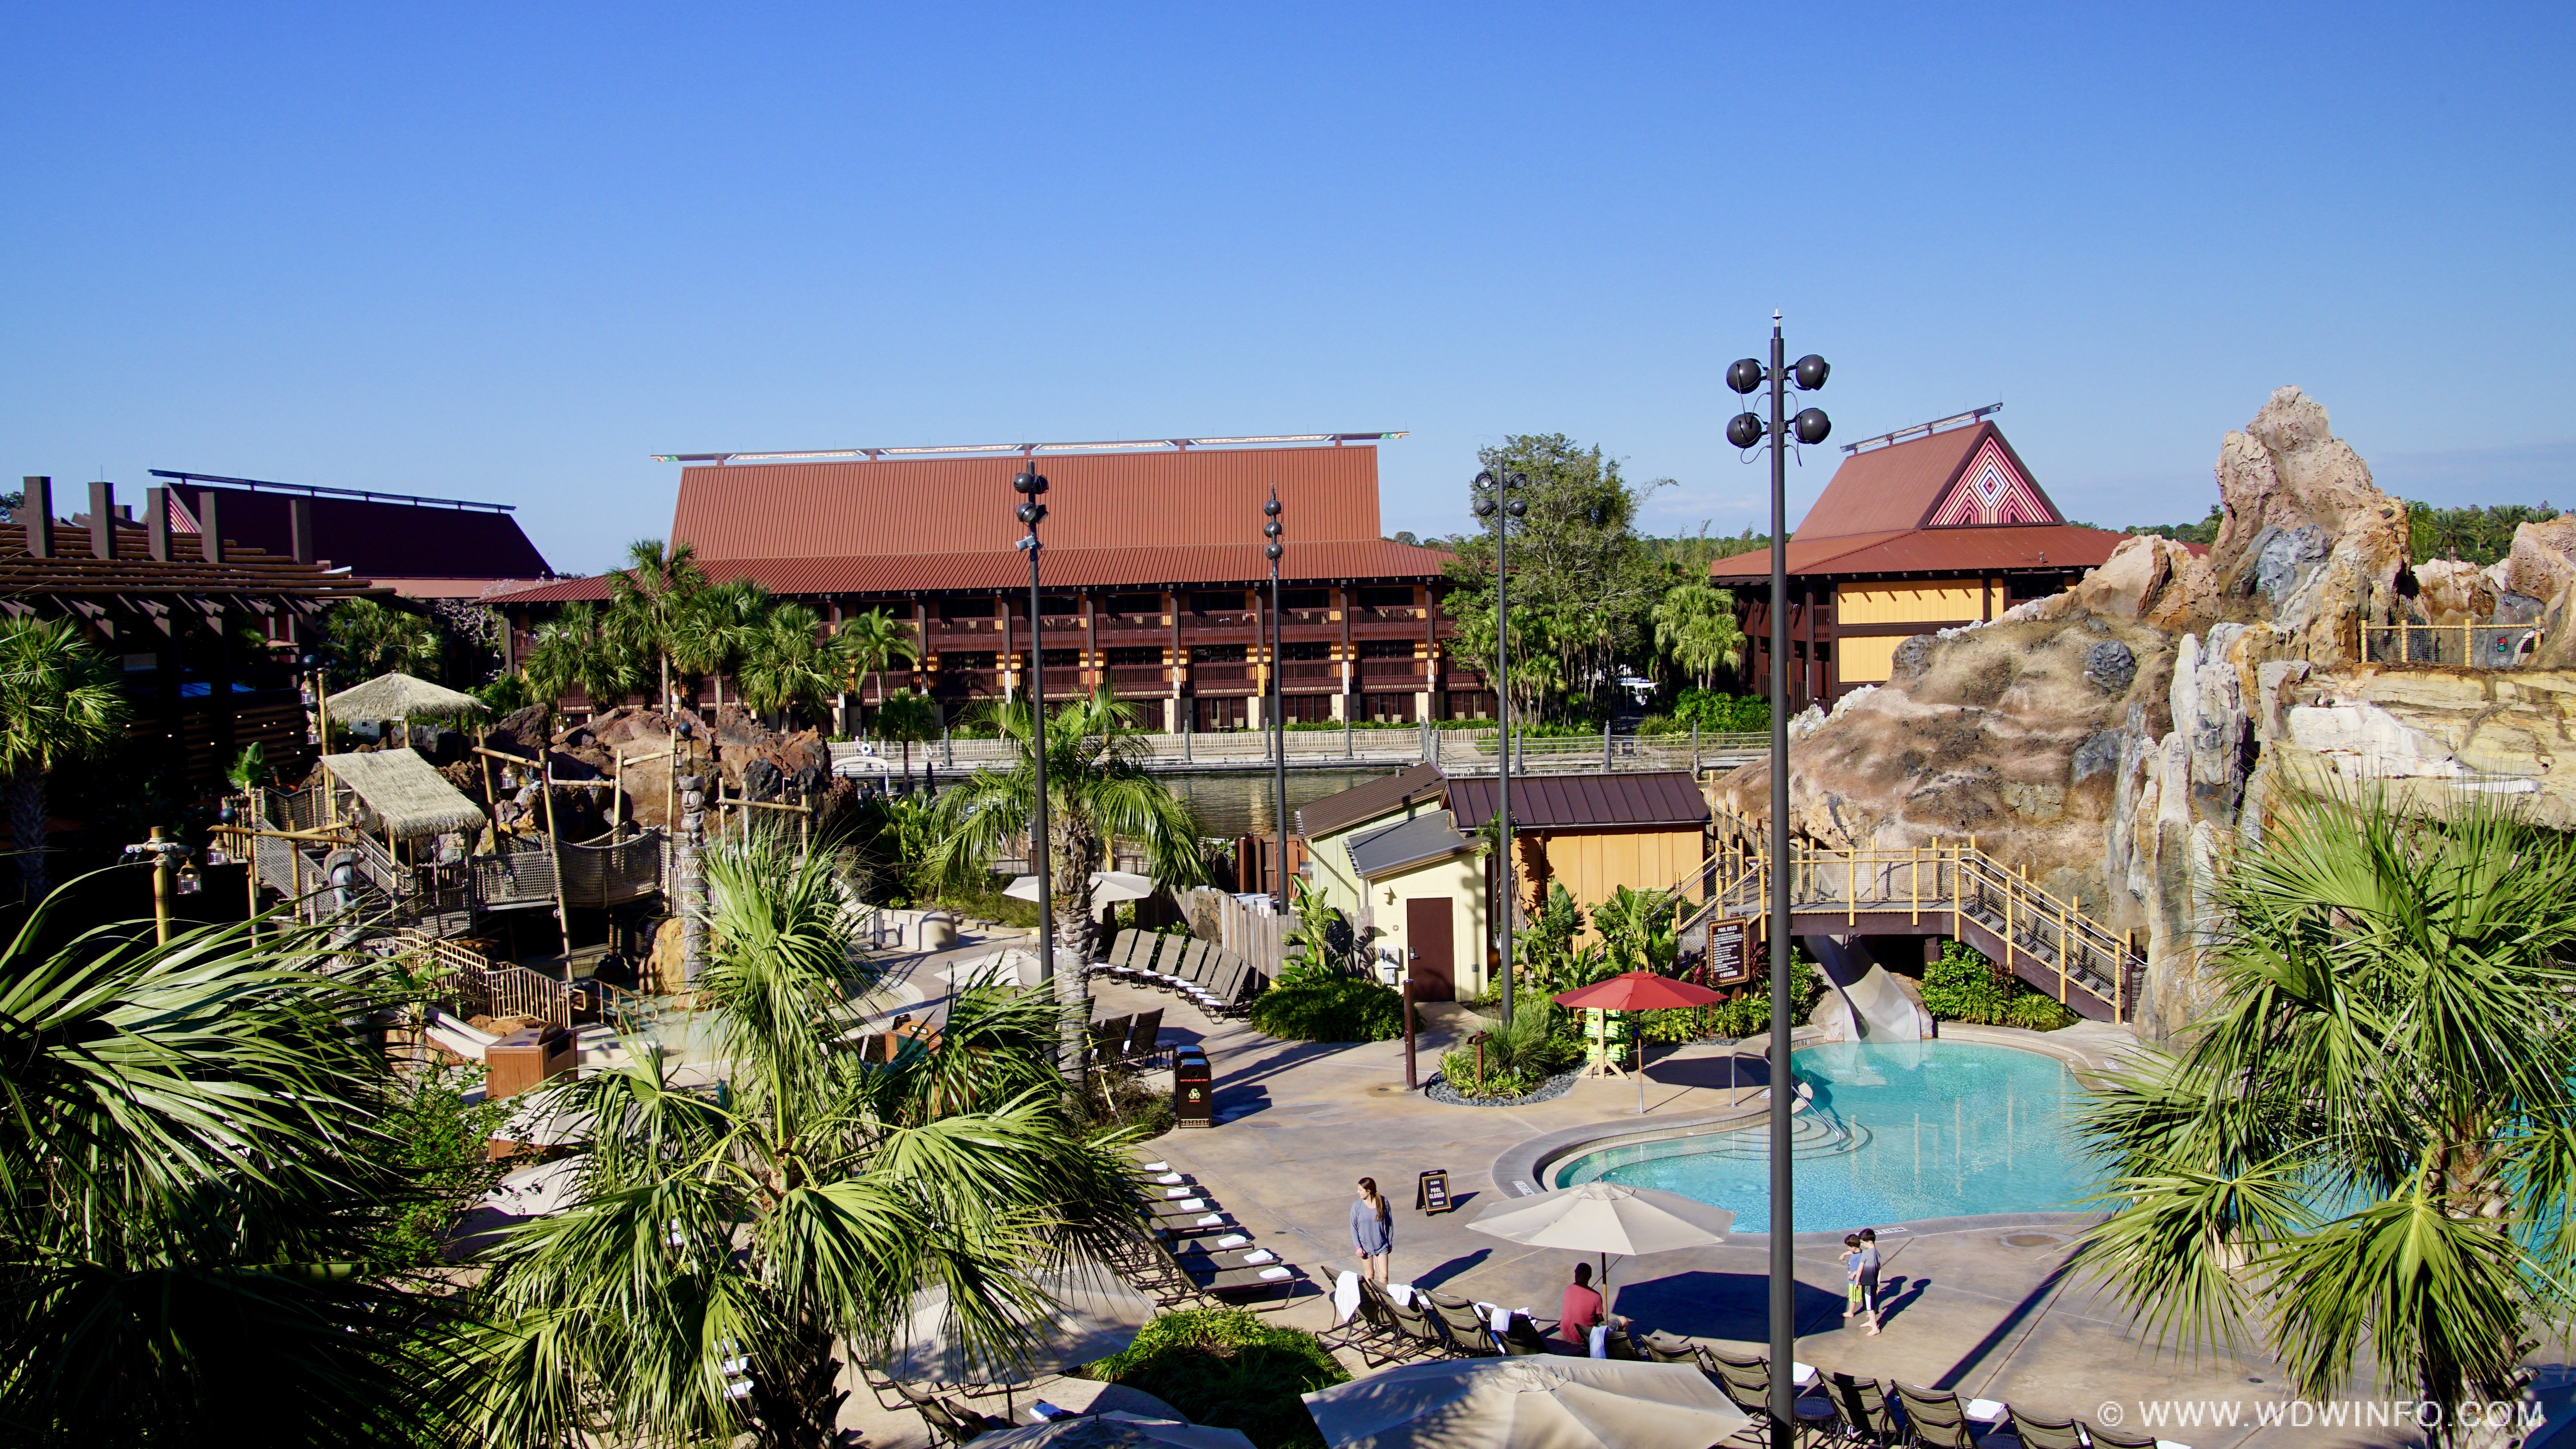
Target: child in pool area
1851 1274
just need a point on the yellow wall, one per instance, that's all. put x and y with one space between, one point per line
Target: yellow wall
1943 600
1592 866
1868 659
1461 878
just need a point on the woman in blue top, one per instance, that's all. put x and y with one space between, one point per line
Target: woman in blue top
1372 1224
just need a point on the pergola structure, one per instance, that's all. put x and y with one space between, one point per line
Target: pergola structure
174 609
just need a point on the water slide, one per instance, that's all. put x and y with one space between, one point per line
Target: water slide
1867 1003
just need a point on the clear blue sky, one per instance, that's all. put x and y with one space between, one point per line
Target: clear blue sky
506 253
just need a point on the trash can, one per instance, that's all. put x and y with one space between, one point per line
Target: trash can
1192 1089
524 1059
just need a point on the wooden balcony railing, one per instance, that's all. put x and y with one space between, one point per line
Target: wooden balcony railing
1296 669
1221 673
1063 683
1372 669
1125 676
967 681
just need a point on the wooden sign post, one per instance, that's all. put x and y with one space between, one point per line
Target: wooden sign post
1727 962
1431 1192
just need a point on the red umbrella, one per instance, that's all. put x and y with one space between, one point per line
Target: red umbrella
1638 991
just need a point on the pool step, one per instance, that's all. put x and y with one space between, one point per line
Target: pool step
1811 1135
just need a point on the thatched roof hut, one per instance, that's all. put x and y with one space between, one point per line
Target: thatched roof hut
398 697
405 792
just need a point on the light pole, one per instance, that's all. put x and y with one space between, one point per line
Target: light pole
1492 488
1029 484
1746 430
1278 702
162 855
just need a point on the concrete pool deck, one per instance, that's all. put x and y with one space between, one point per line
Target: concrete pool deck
1987 1307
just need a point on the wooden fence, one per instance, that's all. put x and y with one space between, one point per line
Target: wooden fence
1257 936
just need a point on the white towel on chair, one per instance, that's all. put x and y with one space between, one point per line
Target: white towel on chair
1346 1297
1169 1177
1176 1193
1233 1240
1402 1293
1261 1255
1601 1340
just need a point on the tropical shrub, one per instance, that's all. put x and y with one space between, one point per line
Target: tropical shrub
1966 986
1521 1051
1329 1008
1228 1368
1748 1012
1321 937
1722 713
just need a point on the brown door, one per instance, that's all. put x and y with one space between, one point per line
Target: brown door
1434 960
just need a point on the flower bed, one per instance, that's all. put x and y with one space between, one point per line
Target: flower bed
1439 1090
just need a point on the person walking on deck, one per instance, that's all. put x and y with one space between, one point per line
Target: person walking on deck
1372 1230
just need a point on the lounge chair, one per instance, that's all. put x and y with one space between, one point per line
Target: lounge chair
1144 1039
1114 960
1196 964
1176 970
1226 1284
1470 1335
2038 1431
1862 1405
1935 1418
1521 1338
2117 1438
1746 1382
1368 1330
1669 1348
1109 1038
1416 1333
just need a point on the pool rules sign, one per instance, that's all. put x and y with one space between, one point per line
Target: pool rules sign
1726 958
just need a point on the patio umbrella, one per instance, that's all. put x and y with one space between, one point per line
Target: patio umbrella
1112 1431
1094 1315
1606 1218
1106 886
1638 991
1527 1403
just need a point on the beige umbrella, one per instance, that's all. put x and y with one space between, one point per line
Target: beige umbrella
1527 1403
1092 1314
1606 1218
1106 886
1112 1431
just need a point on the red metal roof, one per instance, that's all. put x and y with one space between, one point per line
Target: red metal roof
1885 490
374 536
1367 801
1069 568
1998 549
1553 802
957 506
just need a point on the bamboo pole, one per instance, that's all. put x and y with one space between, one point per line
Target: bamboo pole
554 849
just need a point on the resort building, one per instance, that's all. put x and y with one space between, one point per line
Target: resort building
1927 528
1155 580
179 612
421 548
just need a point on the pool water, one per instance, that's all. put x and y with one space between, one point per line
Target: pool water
1899 1132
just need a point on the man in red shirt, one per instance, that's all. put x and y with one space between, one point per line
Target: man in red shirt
1581 1311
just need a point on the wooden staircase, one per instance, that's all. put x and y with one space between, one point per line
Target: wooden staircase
1949 888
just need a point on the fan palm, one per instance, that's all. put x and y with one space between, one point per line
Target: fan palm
789 661
724 1240
582 648
1098 793
60 699
652 595
1695 624
2371 1138
192 1195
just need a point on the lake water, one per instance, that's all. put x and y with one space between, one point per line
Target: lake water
1240 802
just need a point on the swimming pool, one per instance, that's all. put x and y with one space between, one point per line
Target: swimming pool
1899 1132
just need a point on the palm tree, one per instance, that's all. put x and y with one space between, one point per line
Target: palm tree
789 661
1696 625
875 640
715 632
805 1203
193 1191
652 595
365 638
60 699
1098 793
581 647
908 718
2368 1140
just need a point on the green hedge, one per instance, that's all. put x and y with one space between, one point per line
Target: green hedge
1966 986
1228 1368
1334 1008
